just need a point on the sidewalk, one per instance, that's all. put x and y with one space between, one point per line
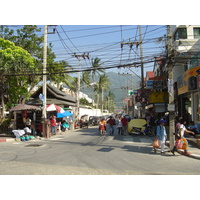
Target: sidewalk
193 148
7 138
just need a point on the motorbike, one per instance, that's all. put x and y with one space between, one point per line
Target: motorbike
137 127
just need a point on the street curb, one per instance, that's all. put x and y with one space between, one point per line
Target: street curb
8 140
196 156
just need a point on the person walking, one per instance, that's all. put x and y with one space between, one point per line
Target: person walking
53 124
181 133
119 125
111 122
102 126
124 125
161 135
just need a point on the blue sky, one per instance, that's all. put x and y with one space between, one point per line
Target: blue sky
104 42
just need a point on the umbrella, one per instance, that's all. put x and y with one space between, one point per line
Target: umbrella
25 107
53 107
64 114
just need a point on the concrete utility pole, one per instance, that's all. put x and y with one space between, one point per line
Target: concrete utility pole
142 74
142 113
78 84
44 112
44 89
171 107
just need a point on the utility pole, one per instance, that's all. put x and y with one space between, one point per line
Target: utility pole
142 73
44 91
44 77
171 107
78 84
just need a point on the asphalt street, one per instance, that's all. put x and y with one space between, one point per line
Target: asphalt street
85 152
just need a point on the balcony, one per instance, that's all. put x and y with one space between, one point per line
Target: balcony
187 45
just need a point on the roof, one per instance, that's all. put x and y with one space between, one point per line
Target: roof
54 95
25 107
150 74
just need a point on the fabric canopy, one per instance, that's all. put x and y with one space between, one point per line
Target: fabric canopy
64 114
53 107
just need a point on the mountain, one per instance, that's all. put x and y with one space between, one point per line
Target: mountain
120 84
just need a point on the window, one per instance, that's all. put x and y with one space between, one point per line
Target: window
196 33
181 33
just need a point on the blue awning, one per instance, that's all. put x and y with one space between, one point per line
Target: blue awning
64 114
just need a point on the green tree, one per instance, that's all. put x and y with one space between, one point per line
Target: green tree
101 86
95 68
109 101
31 38
58 74
14 61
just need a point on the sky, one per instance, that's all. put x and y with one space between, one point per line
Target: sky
90 12
104 42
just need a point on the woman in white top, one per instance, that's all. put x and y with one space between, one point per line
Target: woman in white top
182 131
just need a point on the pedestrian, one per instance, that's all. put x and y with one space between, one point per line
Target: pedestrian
119 125
102 126
161 135
181 133
65 126
28 122
124 125
53 124
111 122
193 127
59 127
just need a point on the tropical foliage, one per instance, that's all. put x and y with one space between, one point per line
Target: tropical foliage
21 58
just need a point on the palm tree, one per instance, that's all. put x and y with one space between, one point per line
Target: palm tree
96 71
95 67
110 101
101 86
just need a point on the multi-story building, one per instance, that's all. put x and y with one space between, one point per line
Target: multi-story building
186 63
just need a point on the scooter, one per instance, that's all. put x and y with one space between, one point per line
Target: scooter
137 131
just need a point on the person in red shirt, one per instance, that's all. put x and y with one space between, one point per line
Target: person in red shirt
111 123
124 125
53 124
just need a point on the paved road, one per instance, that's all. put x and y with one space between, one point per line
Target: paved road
86 152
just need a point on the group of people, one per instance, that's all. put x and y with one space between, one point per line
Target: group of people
58 125
180 133
119 122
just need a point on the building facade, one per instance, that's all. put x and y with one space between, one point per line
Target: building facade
186 66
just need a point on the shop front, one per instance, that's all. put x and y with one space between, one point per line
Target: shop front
189 94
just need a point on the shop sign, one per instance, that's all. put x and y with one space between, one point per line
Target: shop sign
192 83
159 97
149 84
198 81
171 107
185 80
126 99
137 98
159 84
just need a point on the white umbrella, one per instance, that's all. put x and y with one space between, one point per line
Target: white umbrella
53 107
